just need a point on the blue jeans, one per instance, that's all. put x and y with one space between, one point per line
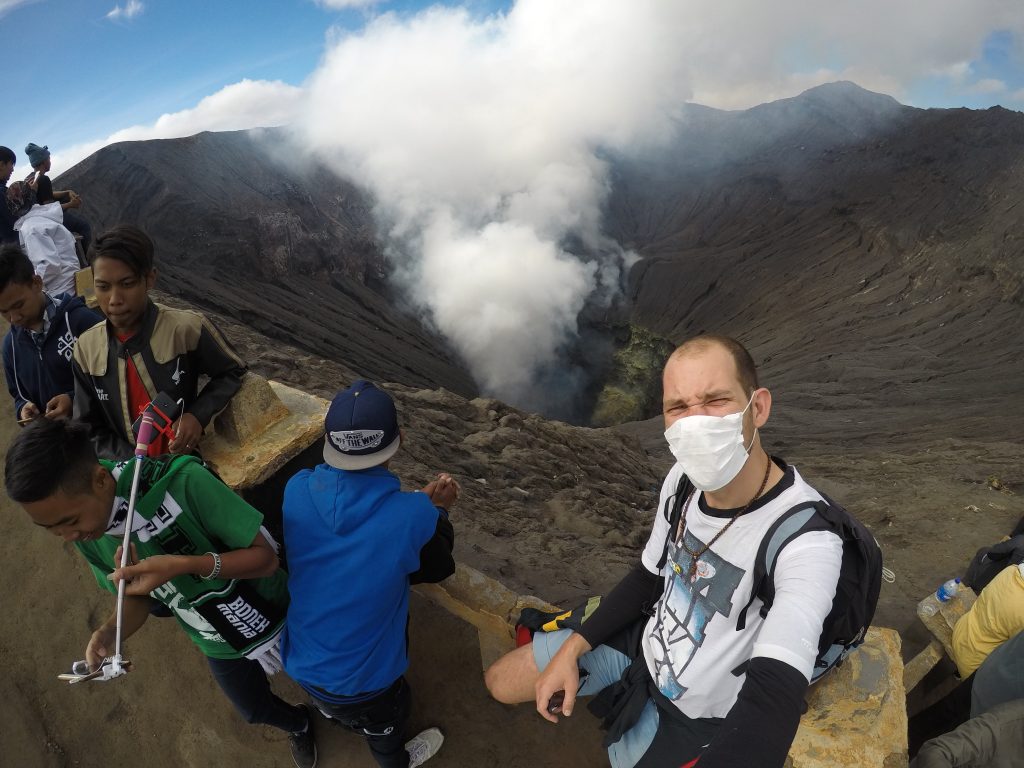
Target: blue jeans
246 685
605 666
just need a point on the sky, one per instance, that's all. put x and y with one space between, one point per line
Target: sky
162 68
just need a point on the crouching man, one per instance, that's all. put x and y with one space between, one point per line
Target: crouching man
355 543
679 682
197 547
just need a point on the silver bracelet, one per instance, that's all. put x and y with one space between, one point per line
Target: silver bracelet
216 567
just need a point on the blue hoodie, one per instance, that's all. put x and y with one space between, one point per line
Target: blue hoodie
352 539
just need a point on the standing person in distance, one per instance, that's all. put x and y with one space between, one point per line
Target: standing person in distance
144 349
39 159
355 543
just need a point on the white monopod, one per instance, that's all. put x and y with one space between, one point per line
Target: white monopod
117 665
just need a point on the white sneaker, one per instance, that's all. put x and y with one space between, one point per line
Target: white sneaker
424 746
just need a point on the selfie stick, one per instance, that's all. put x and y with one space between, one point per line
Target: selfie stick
116 665
141 449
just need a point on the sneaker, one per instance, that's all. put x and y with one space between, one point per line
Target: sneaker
424 746
303 745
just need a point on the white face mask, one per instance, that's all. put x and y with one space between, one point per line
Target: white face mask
710 448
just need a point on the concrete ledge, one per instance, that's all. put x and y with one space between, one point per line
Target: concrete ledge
265 425
941 626
487 604
857 716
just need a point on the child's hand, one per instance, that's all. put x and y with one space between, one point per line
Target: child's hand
59 407
444 491
187 433
148 574
101 645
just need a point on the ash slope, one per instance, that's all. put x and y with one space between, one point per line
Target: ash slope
869 253
290 251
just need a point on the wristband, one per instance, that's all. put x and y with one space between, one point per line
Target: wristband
216 567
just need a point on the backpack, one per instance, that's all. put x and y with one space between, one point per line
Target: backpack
860 576
989 561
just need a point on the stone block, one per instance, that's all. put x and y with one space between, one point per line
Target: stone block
265 425
857 716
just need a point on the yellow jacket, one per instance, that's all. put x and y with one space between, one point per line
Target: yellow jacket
997 616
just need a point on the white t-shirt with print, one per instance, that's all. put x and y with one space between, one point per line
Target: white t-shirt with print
691 644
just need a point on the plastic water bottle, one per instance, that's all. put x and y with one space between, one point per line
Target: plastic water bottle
946 591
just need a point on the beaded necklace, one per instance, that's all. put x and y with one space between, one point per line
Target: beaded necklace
694 556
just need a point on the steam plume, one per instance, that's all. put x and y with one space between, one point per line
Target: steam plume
481 142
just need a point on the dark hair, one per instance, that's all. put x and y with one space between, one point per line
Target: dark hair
47 456
15 266
44 190
128 244
746 371
7 155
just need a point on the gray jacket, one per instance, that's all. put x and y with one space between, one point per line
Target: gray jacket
992 740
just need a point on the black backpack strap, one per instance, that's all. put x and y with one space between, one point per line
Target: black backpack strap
684 489
787 527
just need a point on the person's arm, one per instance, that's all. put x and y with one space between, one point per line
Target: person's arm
87 409
225 369
623 605
12 385
436 561
762 723
102 643
253 562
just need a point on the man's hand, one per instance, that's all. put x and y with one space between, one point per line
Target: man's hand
74 202
444 491
59 407
186 434
101 645
561 674
29 411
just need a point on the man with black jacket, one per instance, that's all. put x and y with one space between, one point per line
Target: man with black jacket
144 349
355 542
679 679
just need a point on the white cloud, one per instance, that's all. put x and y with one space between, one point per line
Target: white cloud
1017 95
129 10
6 6
989 85
246 104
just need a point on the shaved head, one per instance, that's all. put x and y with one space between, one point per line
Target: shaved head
746 371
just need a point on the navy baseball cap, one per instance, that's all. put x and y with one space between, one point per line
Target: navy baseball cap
361 427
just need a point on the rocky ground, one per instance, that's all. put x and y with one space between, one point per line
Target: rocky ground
550 509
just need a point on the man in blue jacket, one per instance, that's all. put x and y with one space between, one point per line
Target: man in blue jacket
355 542
37 349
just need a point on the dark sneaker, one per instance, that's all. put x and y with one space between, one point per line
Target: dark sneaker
424 746
303 745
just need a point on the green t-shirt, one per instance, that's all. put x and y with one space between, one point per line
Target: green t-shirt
182 509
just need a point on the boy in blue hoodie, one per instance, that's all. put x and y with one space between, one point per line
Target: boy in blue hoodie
355 542
37 348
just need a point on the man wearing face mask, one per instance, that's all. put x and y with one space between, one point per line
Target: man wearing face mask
678 683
